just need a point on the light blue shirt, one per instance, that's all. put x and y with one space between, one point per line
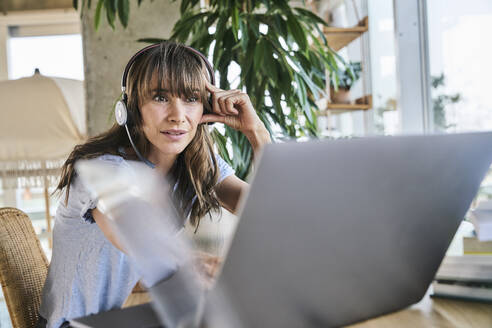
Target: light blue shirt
87 274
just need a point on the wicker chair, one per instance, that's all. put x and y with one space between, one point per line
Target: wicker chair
23 267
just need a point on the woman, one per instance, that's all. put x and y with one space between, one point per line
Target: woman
168 94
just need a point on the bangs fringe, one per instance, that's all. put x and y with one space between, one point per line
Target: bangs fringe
174 69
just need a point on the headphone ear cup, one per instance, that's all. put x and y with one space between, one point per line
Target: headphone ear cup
121 113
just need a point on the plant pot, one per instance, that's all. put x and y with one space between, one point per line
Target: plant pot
342 96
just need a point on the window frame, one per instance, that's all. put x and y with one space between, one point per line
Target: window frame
35 23
412 64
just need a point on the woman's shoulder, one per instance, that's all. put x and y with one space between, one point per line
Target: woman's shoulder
225 169
82 199
109 160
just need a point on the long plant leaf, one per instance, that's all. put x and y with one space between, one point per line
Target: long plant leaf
109 5
97 15
123 11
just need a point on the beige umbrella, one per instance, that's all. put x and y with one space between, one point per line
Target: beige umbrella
42 118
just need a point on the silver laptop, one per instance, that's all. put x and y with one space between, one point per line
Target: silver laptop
335 232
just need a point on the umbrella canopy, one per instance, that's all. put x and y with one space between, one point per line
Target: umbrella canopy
42 119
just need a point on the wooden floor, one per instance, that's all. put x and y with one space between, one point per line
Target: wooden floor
430 312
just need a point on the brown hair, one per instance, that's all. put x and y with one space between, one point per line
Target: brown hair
195 171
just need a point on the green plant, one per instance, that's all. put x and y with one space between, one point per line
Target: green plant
440 102
281 52
348 76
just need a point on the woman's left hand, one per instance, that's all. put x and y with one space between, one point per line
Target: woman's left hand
234 108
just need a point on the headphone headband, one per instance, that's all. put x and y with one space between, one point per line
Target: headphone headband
143 50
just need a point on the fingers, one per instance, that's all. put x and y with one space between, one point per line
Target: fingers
226 102
215 105
230 120
223 102
212 118
230 107
210 87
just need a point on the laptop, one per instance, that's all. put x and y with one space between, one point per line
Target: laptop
334 232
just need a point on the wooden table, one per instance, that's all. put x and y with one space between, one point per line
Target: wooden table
435 312
430 312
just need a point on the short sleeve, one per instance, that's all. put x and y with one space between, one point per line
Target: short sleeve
225 169
81 200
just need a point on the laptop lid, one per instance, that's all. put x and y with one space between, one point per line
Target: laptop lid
335 232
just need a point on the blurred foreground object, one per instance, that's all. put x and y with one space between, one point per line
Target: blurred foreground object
136 200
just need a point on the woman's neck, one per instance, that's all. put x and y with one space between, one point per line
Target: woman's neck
163 162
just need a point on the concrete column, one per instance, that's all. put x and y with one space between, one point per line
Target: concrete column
106 52
4 36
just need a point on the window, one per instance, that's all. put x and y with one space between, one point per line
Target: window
40 39
375 49
460 68
460 64
54 55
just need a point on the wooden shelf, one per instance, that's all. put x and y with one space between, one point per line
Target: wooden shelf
363 103
339 37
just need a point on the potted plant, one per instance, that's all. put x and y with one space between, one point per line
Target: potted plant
345 79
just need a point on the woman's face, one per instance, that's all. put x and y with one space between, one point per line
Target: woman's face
169 121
